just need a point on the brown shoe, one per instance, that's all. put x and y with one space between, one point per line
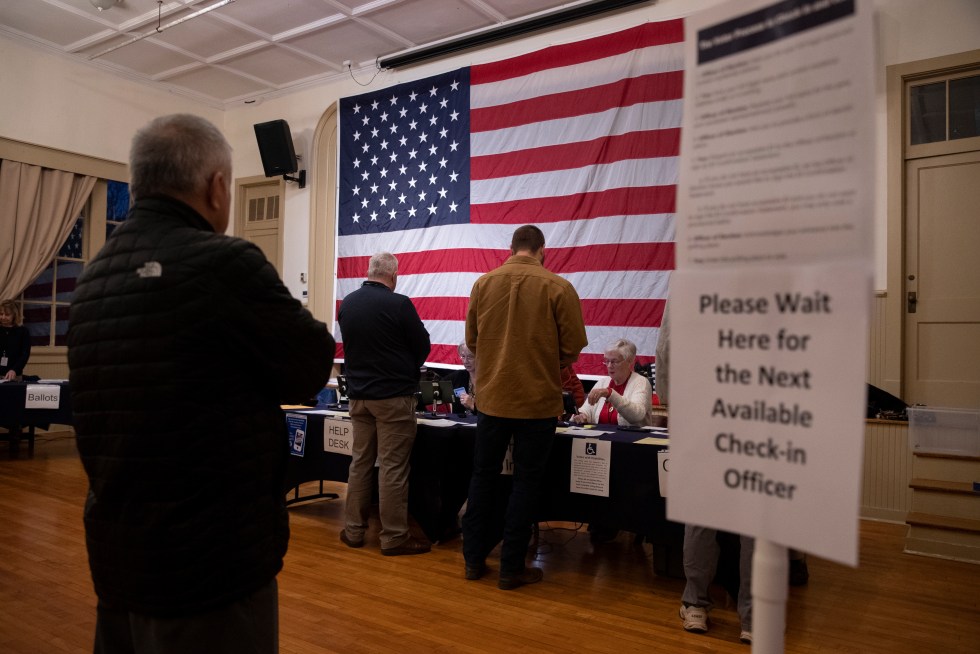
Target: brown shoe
350 542
411 546
528 576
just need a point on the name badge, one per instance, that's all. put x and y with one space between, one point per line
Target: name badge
42 397
3 361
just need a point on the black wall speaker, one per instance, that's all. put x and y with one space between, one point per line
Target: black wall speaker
276 148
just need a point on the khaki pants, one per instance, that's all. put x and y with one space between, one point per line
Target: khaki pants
384 431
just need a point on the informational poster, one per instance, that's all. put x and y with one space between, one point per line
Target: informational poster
774 252
590 466
338 436
40 396
296 424
778 138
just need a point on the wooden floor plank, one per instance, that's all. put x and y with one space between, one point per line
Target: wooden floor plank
603 598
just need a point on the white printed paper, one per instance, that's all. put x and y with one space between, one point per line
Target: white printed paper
40 396
590 466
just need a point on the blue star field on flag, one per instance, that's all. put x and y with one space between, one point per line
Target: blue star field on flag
404 156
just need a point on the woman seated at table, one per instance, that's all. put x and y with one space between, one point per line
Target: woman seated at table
622 398
465 378
15 342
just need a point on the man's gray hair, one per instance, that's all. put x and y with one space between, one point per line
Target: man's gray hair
626 348
382 264
176 155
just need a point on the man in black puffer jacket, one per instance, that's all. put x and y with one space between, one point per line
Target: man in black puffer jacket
182 344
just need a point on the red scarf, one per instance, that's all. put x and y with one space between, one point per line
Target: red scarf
608 415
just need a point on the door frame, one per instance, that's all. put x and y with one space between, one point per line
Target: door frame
323 217
897 119
241 208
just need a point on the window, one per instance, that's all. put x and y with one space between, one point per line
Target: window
48 297
945 111
46 301
117 206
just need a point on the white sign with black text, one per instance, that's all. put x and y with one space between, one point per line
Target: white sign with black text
590 466
338 436
40 396
769 408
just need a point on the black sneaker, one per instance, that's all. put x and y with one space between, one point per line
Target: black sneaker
527 576
475 572
799 574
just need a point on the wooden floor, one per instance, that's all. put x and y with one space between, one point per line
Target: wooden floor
602 598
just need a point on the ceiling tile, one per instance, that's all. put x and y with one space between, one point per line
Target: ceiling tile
206 37
276 65
419 27
519 8
216 83
349 40
47 23
147 57
279 16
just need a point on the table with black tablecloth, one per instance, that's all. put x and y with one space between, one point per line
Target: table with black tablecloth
442 461
14 414
634 503
442 458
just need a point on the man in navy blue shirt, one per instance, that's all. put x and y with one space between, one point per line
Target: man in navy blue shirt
385 343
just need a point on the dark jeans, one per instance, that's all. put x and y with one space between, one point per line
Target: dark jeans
248 626
481 531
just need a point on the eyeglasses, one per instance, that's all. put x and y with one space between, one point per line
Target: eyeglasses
612 362
467 357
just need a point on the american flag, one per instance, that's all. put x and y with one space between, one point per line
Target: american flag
580 139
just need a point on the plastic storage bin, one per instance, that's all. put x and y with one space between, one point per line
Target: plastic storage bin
944 431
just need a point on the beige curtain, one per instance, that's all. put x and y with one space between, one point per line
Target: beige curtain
38 207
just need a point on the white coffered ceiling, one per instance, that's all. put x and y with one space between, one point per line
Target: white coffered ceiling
250 48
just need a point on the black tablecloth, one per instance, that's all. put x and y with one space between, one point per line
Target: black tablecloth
13 414
440 471
12 411
442 460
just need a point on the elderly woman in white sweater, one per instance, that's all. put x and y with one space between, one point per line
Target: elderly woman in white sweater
624 397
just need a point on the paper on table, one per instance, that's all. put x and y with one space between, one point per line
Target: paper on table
437 422
652 440
322 412
581 431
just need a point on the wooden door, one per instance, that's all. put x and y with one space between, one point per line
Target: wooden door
259 215
942 281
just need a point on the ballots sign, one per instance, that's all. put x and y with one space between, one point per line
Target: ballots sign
40 396
296 424
338 436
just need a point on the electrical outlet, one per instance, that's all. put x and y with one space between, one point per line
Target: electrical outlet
302 277
346 63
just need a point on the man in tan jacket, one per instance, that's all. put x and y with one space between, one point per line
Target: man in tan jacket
523 324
